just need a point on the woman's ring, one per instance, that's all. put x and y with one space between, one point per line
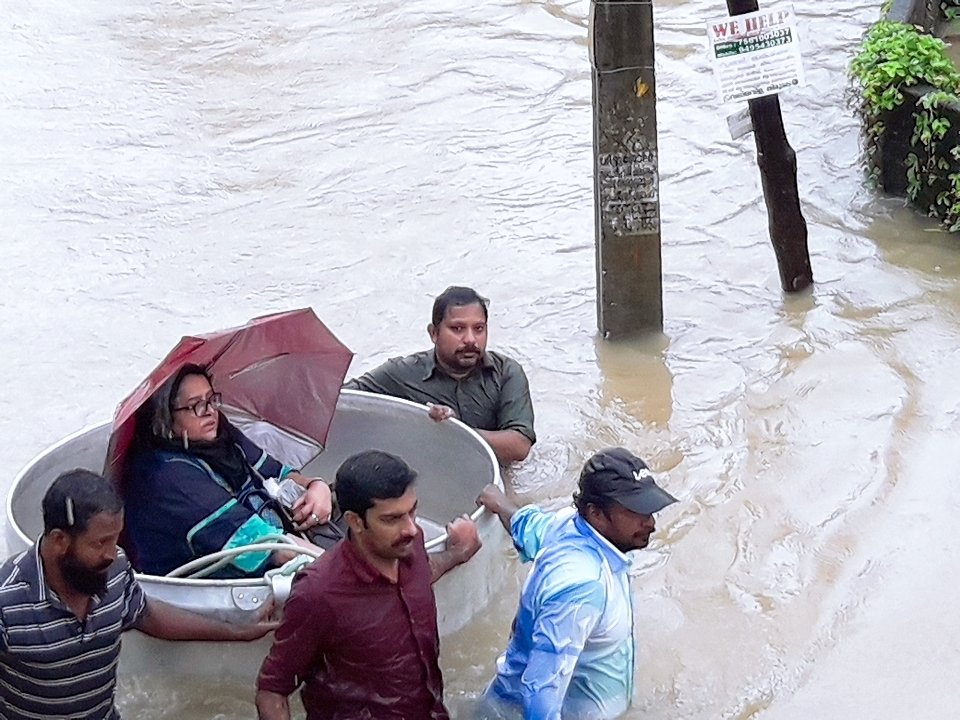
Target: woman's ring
315 518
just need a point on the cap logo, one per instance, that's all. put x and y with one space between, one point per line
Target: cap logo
642 474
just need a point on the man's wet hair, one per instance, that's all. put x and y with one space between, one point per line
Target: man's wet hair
369 476
456 296
74 498
583 501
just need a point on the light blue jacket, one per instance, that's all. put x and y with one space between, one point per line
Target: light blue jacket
571 652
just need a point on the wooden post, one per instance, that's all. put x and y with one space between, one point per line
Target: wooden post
778 174
625 171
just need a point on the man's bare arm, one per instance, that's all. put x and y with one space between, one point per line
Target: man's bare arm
162 620
508 445
493 499
462 544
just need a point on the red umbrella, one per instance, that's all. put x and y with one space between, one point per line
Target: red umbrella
285 368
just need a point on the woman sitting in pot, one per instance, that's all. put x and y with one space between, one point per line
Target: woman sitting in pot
194 485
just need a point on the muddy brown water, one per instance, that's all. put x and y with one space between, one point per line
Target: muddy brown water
179 167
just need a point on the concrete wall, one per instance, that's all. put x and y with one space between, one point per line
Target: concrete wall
924 13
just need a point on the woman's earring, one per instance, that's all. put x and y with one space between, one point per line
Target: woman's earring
186 441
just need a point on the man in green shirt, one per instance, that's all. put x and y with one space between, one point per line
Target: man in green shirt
460 378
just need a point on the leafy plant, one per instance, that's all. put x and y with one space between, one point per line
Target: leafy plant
895 56
929 129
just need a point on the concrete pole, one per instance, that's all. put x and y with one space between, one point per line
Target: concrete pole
778 175
625 169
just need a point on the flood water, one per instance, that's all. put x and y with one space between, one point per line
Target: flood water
174 167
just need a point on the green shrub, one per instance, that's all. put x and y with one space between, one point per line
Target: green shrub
895 56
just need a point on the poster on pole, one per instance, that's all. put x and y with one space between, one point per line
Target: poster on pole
755 54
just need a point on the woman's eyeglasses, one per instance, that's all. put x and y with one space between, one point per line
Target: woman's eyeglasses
200 407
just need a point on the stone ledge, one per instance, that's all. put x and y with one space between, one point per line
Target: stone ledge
925 13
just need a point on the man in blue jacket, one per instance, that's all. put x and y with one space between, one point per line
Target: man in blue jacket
571 653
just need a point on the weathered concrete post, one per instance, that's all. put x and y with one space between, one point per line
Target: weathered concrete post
778 175
626 178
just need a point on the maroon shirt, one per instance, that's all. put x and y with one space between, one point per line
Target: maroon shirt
363 646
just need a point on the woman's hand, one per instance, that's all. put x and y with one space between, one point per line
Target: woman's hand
315 505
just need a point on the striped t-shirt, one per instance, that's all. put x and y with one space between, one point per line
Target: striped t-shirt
52 664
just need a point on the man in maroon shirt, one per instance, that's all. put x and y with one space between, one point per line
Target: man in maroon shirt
360 627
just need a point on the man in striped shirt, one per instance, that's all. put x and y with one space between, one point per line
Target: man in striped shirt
65 601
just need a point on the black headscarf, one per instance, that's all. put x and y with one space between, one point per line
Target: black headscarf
223 454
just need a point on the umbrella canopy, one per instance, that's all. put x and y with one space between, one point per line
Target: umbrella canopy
286 369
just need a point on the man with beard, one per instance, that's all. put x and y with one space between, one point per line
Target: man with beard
360 626
65 602
460 378
570 653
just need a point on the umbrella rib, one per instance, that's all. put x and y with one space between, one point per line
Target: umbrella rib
230 343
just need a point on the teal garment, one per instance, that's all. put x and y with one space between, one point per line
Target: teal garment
254 529
570 654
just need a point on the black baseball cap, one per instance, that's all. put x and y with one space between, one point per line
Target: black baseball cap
619 475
